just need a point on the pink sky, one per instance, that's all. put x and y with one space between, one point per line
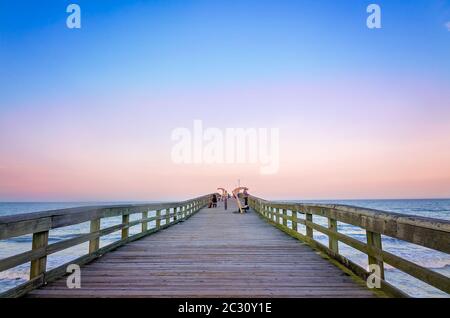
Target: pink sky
338 140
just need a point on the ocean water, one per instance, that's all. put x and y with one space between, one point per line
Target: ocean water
434 260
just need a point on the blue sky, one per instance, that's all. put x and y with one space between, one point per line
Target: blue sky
160 44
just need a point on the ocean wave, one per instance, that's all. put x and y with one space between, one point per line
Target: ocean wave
14 274
19 239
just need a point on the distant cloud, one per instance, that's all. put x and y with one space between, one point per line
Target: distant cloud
447 25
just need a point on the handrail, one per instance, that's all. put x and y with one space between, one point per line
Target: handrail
427 232
39 224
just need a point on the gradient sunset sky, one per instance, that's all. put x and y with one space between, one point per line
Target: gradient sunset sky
87 114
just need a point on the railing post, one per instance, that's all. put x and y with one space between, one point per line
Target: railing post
374 240
145 223
294 220
38 266
175 212
333 243
94 244
167 216
277 215
285 221
309 229
125 221
158 219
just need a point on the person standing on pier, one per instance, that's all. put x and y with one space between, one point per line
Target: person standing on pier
245 195
214 201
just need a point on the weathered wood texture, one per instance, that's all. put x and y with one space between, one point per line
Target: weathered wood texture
216 253
428 232
12 226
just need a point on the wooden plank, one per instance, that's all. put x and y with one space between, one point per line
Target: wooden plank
15 260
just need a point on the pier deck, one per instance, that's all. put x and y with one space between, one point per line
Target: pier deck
215 253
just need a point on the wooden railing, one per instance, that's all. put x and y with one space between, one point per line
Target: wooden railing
39 224
427 232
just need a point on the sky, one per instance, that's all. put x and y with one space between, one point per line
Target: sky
87 114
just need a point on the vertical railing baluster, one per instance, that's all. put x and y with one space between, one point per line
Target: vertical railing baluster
144 223
333 243
94 244
125 222
38 266
285 221
167 216
158 219
277 215
294 219
309 229
374 240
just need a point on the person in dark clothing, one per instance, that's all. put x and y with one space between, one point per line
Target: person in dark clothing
245 195
214 201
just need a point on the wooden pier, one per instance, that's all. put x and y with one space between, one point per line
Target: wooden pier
194 251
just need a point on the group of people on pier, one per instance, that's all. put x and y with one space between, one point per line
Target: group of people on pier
215 198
